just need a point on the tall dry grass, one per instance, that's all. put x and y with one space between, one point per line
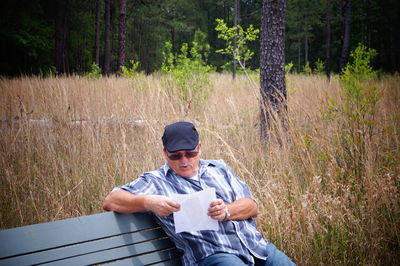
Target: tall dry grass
66 142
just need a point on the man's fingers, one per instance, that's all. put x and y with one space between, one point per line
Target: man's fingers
173 205
217 210
216 203
162 205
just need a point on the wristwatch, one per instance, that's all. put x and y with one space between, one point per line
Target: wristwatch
227 214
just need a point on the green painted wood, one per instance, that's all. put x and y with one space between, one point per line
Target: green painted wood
87 247
28 239
172 262
116 253
93 239
166 257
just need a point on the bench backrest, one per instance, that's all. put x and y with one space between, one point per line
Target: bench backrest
127 239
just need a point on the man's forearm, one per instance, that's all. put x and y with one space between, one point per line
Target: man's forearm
124 202
242 209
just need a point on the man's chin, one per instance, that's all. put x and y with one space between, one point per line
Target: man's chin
186 174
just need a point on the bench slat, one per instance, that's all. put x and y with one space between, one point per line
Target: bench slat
165 258
173 262
71 231
86 247
118 253
119 239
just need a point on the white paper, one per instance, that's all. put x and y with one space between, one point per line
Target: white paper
193 213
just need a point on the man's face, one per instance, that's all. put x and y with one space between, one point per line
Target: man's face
184 166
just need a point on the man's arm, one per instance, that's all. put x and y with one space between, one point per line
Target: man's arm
125 202
240 209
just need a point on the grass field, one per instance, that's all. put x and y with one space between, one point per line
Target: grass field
328 188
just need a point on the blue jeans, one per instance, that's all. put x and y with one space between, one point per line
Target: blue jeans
275 257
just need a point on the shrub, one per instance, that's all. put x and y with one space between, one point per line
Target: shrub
188 73
95 71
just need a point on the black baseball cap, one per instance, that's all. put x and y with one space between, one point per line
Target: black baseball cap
180 136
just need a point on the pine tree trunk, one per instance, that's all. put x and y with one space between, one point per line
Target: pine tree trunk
344 58
65 66
107 48
328 38
121 34
97 34
298 48
272 63
58 59
235 23
305 38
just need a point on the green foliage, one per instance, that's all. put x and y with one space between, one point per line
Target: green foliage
319 67
132 72
306 69
241 53
95 71
360 96
288 68
188 73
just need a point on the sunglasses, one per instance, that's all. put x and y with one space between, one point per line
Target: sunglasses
178 156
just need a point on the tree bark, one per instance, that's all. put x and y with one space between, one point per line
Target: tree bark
121 34
97 34
107 48
305 37
64 41
61 28
328 38
344 58
58 59
299 48
272 63
235 23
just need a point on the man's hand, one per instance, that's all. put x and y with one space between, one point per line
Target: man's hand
161 205
240 209
217 210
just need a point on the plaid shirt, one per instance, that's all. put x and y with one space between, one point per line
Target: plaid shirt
234 237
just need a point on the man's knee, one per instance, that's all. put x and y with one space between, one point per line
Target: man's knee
222 259
276 257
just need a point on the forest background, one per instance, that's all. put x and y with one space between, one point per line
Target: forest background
28 32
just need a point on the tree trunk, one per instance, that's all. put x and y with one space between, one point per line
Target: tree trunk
97 34
344 58
328 38
173 42
298 48
107 19
272 63
305 37
235 23
121 34
64 39
58 59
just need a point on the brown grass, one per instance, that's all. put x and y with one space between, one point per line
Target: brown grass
75 139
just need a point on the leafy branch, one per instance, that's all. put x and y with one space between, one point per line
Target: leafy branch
240 53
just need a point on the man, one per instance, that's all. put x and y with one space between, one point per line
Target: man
237 241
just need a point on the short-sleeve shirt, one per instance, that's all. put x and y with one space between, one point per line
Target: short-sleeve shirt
236 237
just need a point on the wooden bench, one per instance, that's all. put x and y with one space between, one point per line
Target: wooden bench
119 239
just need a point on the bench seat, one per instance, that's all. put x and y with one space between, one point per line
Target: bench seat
105 238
